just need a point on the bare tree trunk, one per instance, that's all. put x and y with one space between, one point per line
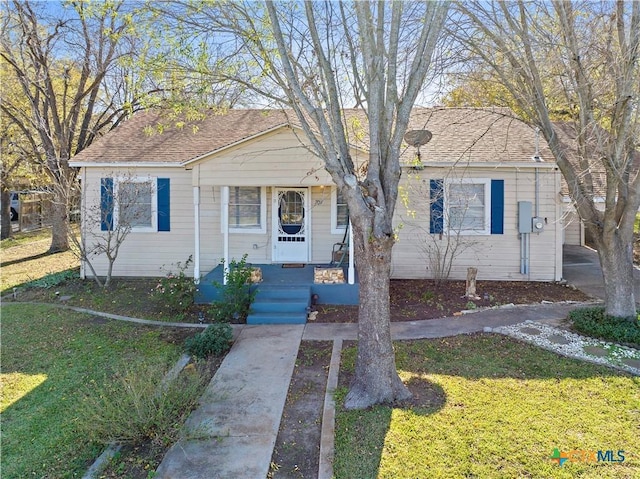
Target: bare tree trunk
376 378
5 219
59 223
616 260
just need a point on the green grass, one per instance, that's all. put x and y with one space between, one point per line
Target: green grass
636 225
51 360
22 238
506 407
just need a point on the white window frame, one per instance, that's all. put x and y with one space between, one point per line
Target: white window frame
262 229
335 228
486 182
154 202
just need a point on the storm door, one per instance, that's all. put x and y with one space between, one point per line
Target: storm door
290 225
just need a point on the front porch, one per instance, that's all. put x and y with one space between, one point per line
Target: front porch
279 276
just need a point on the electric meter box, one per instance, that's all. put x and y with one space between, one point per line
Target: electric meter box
537 224
524 216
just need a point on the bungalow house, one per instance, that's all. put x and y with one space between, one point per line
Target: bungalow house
483 192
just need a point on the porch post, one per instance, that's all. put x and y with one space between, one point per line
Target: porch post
225 232
196 227
351 272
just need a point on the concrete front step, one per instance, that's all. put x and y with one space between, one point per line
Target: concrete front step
280 305
277 318
271 305
284 293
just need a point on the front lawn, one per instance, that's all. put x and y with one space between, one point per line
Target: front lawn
52 359
25 257
491 407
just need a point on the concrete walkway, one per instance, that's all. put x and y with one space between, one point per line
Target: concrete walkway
443 327
233 431
581 267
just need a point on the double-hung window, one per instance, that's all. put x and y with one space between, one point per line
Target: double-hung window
466 203
247 209
136 204
339 212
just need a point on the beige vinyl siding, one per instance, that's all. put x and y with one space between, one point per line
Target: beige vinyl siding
497 257
573 228
211 237
145 253
278 159
322 239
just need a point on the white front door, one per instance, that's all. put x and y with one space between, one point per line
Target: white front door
290 225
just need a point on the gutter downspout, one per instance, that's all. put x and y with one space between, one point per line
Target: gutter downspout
559 227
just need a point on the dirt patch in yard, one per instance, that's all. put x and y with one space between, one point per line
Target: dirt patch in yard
297 449
427 299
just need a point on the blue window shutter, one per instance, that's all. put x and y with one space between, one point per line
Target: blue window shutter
436 217
106 204
164 204
497 207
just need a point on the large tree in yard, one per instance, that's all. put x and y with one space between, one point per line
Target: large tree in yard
315 58
66 62
579 61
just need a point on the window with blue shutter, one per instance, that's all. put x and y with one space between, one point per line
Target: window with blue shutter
472 206
137 200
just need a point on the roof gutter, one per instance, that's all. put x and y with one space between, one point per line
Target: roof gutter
492 165
149 164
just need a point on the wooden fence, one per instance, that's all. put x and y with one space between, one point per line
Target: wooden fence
35 211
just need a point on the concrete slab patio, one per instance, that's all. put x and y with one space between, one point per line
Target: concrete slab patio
233 431
581 267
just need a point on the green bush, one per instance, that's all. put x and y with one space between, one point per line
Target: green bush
215 340
139 405
237 294
593 322
176 290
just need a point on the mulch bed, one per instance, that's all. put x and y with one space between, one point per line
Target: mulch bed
297 449
428 299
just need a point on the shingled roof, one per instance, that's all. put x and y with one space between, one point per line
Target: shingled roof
468 135
152 137
460 135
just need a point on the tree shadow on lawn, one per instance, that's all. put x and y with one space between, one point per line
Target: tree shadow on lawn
50 359
29 258
480 382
